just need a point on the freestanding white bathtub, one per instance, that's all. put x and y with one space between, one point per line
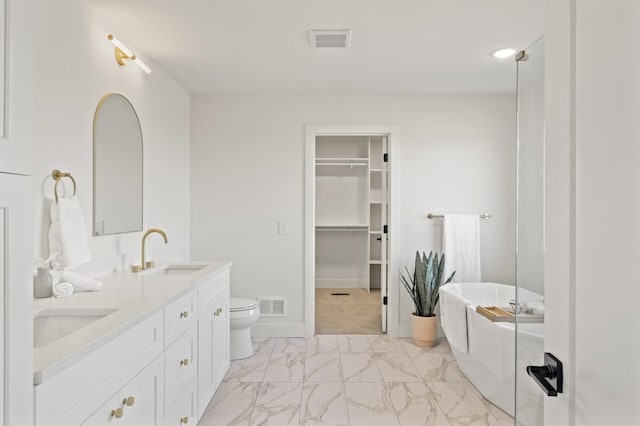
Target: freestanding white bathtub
489 359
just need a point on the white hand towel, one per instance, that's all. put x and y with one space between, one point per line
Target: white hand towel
461 247
68 234
63 289
81 282
453 317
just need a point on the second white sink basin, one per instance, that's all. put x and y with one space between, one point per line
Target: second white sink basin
50 325
184 269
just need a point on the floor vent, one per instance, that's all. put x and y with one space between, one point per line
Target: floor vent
272 306
330 38
341 294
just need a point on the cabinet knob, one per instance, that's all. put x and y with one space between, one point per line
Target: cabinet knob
184 314
129 401
117 413
184 362
184 420
217 312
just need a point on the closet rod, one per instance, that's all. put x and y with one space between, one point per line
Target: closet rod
441 216
342 229
341 164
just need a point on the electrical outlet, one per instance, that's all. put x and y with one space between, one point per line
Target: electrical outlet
283 227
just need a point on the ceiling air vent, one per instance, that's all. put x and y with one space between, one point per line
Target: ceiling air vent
272 306
330 38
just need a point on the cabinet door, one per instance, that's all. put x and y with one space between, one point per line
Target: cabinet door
206 372
142 399
220 348
213 350
105 415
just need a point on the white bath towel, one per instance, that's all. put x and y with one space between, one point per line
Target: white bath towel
453 317
68 234
461 247
81 282
63 289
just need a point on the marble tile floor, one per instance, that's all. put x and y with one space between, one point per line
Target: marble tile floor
353 380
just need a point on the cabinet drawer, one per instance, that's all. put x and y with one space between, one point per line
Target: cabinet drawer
210 289
179 317
184 410
180 363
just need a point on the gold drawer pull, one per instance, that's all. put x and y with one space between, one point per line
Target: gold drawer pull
184 362
117 413
184 420
184 314
129 401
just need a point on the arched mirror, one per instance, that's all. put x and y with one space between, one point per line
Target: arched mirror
117 167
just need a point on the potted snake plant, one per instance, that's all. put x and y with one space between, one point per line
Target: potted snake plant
423 287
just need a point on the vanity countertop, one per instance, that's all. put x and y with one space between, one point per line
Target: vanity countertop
135 296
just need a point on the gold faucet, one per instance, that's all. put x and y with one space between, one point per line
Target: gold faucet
143 264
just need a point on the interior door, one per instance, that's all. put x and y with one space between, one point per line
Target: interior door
530 233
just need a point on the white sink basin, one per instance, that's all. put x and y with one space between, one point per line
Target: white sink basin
174 270
50 325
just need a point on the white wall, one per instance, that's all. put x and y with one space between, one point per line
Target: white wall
457 154
75 67
592 209
15 157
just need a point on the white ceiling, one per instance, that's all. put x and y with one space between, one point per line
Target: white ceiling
262 46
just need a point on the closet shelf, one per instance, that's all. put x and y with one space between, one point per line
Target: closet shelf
345 227
341 161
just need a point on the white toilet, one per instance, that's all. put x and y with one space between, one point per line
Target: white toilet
243 313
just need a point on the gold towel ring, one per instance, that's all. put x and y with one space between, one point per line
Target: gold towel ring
58 175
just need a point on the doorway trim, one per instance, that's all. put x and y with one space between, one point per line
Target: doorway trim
392 132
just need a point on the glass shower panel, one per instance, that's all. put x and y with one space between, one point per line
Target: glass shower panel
530 233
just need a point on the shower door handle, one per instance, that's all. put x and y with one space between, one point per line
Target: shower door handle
548 376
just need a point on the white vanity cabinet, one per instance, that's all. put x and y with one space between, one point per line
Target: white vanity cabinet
213 336
162 370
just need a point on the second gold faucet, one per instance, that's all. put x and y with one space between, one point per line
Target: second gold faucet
144 264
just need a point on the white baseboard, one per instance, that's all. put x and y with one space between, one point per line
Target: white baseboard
297 330
277 330
404 330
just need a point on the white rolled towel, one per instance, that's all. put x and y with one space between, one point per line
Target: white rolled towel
534 307
63 289
81 282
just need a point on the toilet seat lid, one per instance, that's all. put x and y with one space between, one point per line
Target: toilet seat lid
238 304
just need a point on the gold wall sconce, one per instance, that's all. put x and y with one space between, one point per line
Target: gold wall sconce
123 54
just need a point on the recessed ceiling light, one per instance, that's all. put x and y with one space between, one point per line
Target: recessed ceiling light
504 53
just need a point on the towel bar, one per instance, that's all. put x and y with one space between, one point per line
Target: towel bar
58 175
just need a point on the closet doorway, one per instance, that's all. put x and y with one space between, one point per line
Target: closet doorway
348 232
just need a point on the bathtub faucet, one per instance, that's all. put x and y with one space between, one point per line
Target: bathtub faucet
515 306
